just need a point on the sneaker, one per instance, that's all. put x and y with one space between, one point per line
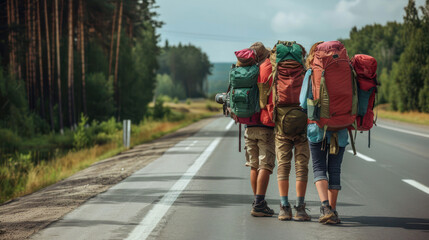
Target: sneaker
325 214
301 214
334 219
261 210
285 213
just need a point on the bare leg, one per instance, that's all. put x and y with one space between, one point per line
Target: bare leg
322 189
333 195
301 187
262 181
283 187
253 179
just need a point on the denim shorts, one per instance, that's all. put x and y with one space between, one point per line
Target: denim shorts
327 166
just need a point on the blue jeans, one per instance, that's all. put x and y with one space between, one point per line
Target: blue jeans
332 165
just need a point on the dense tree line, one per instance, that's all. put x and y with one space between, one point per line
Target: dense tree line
402 52
63 58
188 67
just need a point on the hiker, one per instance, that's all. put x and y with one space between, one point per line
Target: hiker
287 59
259 145
327 147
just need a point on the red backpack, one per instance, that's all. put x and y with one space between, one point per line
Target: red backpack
265 97
365 67
334 102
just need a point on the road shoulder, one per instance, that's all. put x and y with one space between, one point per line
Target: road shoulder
27 215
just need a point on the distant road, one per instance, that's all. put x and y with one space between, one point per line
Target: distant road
200 189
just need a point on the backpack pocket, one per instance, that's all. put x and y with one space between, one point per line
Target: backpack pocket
244 101
313 109
363 97
291 121
264 88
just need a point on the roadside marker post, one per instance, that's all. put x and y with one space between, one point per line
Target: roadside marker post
127 133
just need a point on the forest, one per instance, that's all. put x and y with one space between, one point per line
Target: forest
71 71
64 60
402 52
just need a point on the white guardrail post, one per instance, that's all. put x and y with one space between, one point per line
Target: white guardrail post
127 133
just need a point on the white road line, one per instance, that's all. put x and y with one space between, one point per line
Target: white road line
404 131
359 155
192 144
229 125
417 185
152 218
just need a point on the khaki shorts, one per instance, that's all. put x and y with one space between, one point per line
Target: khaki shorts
284 146
260 153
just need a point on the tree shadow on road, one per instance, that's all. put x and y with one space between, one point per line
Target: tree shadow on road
393 222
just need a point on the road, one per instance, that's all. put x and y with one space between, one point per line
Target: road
200 189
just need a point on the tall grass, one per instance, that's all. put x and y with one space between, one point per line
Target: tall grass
409 117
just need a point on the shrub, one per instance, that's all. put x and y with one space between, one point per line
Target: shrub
159 111
81 139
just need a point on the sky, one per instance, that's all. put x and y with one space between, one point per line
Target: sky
220 27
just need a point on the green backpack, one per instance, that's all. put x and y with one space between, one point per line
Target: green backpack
244 93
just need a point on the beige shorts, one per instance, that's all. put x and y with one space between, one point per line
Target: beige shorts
284 146
260 149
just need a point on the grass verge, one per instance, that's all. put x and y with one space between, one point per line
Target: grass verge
408 117
21 176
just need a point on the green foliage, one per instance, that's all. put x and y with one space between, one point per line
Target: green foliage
159 111
166 87
13 175
81 139
100 101
9 142
138 76
401 51
188 66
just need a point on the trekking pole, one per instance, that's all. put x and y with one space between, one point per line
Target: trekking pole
239 137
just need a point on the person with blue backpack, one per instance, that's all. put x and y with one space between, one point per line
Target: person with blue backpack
327 146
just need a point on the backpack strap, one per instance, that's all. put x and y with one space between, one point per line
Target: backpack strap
273 85
334 147
352 142
369 138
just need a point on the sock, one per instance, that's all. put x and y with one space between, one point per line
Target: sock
299 201
259 199
325 203
284 200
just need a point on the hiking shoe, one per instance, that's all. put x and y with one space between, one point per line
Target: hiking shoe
285 213
334 219
261 210
325 214
300 213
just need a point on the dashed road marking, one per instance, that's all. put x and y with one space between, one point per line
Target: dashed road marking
229 125
360 155
190 145
417 185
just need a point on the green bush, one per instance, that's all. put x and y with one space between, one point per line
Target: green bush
13 175
10 142
159 111
81 139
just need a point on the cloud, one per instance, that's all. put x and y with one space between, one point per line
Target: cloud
286 22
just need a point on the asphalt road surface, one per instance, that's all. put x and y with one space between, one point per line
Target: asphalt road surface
200 189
